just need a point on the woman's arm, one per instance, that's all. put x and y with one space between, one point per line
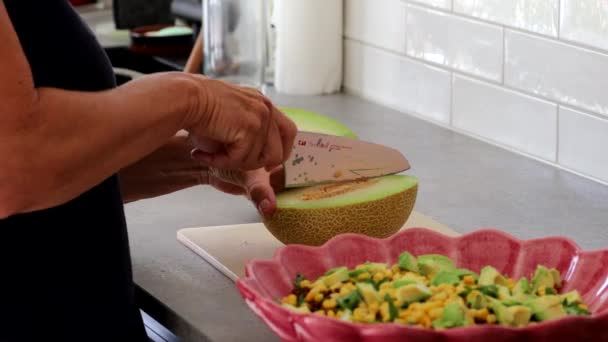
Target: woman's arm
56 144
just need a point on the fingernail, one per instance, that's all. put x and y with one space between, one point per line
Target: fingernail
264 207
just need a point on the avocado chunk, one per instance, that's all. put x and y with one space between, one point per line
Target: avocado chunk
502 315
301 309
408 262
412 293
335 276
445 277
431 264
453 315
503 292
546 308
490 276
347 315
462 272
476 300
572 297
402 282
557 279
374 267
522 287
520 315
414 277
368 293
542 278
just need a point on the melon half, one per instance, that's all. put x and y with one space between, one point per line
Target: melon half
376 207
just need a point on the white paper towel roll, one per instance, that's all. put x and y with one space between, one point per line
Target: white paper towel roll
308 46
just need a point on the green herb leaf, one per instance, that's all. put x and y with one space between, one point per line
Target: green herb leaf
298 280
489 290
349 301
392 309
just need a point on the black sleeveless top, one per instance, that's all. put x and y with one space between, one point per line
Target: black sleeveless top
65 272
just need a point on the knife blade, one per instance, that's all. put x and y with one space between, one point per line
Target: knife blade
319 159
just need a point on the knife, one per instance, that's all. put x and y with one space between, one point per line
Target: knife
320 159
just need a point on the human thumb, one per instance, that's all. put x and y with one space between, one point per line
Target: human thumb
260 192
256 184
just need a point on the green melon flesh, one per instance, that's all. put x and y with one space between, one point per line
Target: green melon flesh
384 187
317 123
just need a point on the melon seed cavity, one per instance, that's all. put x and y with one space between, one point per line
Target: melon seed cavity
333 190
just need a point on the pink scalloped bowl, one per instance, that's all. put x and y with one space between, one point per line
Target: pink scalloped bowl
585 271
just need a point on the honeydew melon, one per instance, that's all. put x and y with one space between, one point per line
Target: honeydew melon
376 207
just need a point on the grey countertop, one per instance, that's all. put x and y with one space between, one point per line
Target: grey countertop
464 183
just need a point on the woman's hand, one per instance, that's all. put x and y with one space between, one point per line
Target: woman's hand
238 128
171 168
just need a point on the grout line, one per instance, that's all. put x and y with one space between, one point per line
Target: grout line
557 140
501 85
559 18
419 116
504 55
515 29
452 81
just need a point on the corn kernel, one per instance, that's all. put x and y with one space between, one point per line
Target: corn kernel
329 304
481 314
432 305
426 321
415 317
359 314
441 296
415 306
384 312
491 319
378 276
388 274
542 291
395 269
291 299
331 313
583 306
364 276
305 283
310 296
400 321
435 313
320 312
374 307
385 286
318 297
336 286
510 283
468 280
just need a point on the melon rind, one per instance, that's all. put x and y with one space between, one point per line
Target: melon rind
317 123
378 218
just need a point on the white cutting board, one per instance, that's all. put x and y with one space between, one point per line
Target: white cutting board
228 248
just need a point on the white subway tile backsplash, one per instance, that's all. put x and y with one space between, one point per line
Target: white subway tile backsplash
380 25
539 16
585 21
396 81
556 70
462 44
582 143
445 4
518 121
